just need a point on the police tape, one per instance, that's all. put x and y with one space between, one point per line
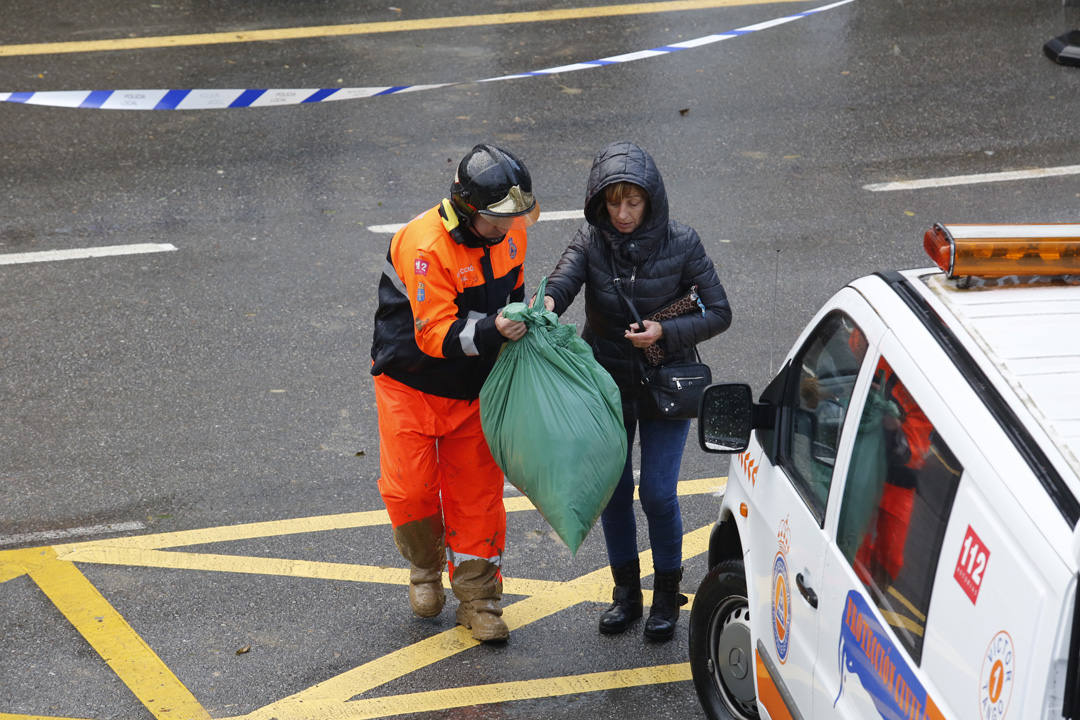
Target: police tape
218 99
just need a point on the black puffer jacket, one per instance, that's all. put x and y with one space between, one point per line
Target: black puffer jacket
658 262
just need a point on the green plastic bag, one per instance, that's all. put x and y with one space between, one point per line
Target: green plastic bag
553 420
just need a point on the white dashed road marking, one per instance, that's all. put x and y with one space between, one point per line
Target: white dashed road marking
975 179
544 215
33 537
83 253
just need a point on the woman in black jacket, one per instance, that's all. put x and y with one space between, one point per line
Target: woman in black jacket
628 239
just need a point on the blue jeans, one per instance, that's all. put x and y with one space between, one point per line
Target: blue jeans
662 443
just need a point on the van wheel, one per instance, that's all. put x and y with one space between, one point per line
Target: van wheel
721 649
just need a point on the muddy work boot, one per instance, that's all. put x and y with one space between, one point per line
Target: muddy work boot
626 604
478 586
426 594
484 618
421 543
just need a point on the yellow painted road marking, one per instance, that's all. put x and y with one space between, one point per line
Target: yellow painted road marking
53 570
9 571
320 31
247 531
139 667
245 564
321 523
278 567
326 698
283 567
434 700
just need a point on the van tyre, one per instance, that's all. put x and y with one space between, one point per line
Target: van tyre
721 649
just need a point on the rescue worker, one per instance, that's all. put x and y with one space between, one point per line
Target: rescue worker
438 330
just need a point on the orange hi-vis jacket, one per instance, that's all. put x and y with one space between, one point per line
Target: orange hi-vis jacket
435 325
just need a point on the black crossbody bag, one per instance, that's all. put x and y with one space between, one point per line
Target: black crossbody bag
675 387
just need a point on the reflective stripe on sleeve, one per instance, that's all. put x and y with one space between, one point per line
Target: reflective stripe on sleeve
467 337
391 272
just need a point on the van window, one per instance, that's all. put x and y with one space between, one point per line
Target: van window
900 486
818 403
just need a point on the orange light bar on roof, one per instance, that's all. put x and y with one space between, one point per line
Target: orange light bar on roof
1001 250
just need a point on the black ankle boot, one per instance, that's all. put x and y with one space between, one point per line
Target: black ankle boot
626 606
665 608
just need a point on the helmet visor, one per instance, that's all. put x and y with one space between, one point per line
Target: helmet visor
517 209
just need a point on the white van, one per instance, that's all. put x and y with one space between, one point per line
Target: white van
898 537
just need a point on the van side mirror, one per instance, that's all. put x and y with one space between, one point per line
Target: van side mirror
725 418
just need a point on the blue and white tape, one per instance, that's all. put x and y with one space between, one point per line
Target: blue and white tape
254 97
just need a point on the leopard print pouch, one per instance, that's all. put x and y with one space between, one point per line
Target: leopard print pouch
689 303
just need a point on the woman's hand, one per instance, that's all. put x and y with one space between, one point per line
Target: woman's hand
510 329
549 302
652 332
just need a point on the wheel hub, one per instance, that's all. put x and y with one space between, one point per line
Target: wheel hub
737 665
731 657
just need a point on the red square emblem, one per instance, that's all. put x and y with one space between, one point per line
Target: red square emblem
971 565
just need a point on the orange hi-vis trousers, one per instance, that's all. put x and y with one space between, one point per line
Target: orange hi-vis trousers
434 462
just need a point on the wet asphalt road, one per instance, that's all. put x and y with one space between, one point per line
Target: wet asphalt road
225 382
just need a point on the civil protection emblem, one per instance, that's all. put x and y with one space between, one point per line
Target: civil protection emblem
781 607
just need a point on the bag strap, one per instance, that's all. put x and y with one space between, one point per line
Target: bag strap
617 282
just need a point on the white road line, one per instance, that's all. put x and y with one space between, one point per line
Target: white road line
561 214
82 253
70 532
544 215
974 179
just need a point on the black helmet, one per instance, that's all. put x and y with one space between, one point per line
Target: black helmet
494 183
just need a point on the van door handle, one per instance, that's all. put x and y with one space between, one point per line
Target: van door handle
806 590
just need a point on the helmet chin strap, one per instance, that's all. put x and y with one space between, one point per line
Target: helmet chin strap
469 238
490 242
463 233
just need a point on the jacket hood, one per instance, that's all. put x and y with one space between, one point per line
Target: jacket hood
626 162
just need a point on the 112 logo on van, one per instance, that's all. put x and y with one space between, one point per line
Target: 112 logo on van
971 565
